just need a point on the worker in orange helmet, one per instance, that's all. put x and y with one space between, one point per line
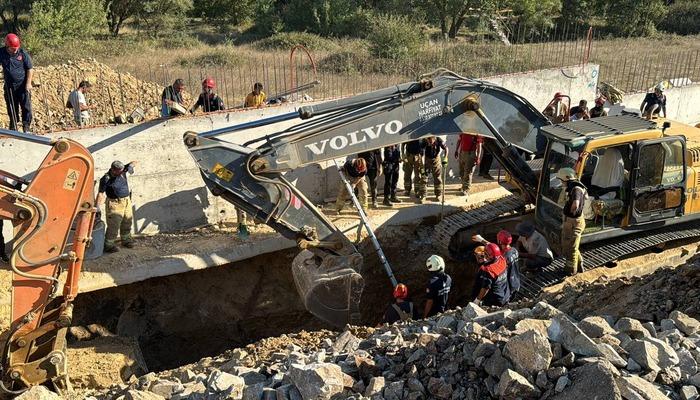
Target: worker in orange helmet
491 283
402 309
208 99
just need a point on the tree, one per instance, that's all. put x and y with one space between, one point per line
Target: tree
160 16
537 14
635 17
118 11
10 10
53 22
234 11
451 15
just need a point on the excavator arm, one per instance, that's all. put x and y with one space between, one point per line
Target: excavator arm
52 214
327 272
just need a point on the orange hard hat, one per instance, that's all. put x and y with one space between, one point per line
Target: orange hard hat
12 40
492 250
400 291
209 83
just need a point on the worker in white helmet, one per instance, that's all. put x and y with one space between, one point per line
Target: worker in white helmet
438 289
573 222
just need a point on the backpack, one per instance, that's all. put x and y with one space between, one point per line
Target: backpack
403 315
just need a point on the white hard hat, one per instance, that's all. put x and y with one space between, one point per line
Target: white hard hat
435 263
660 87
566 174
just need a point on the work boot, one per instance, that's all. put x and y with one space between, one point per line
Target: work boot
395 199
419 199
129 244
387 203
488 176
407 192
374 205
437 198
4 258
110 248
463 192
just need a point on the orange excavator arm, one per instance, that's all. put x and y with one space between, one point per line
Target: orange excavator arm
52 214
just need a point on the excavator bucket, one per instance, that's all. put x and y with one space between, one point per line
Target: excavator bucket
329 285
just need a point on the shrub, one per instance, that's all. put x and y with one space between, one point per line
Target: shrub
218 56
54 22
683 18
635 17
394 37
287 40
162 16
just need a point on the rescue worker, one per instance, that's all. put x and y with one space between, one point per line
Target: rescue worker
485 165
172 95
114 188
573 222
373 159
468 153
510 254
654 103
354 171
257 98
392 158
402 309
439 285
17 71
433 162
561 110
413 168
598 110
491 283
208 99
582 105
533 247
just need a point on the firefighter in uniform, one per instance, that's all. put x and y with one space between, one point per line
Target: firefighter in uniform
439 286
433 162
573 222
413 167
402 309
491 285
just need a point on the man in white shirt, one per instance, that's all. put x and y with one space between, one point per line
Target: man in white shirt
76 101
533 247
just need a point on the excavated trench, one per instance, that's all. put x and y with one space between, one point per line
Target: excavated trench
182 318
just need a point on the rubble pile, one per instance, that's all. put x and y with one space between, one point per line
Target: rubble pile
648 298
466 353
52 84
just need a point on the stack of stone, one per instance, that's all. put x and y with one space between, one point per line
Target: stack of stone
467 353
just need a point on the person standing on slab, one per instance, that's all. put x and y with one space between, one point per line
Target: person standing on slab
468 153
373 159
17 71
114 191
392 159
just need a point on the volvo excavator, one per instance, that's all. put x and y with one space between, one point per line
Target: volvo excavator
651 198
656 200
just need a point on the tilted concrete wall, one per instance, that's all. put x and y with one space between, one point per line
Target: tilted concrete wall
168 191
682 103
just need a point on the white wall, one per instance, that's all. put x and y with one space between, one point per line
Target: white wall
168 191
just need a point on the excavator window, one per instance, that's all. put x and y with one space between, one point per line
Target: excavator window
659 177
560 156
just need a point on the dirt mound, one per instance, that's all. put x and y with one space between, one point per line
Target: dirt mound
113 93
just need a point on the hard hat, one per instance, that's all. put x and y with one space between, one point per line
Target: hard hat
12 40
503 237
360 164
659 87
209 83
400 291
479 250
435 263
117 165
492 250
566 174
600 101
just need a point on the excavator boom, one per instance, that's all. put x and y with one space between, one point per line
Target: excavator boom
441 103
52 213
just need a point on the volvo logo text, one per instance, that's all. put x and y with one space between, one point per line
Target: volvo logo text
340 142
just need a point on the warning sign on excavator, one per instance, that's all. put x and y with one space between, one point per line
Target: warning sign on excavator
223 173
71 179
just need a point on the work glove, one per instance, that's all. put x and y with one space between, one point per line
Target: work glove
478 239
477 302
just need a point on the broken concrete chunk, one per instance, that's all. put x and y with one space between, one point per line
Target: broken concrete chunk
498 316
595 327
529 352
219 382
513 386
689 393
611 355
591 381
527 324
253 392
543 310
317 381
394 391
166 388
138 395
439 388
631 385
562 383
496 364
345 343
471 311
686 324
563 331
631 327
42 393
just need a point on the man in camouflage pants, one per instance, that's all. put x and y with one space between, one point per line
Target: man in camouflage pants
413 167
433 162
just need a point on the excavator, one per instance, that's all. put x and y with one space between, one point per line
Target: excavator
656 200
646 176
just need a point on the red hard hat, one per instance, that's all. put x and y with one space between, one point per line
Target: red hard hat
400 291
12 40
492 250
503 237
558 95
600 100
209 83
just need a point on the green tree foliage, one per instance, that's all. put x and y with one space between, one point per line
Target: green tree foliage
683 18
54 22
325 17
537 14
10 11
233 11
118 12
634 17
163 16
394 37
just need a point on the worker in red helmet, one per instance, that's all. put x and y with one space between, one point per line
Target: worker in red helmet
208 99
402 308
491 286
598 110
510 253
17 72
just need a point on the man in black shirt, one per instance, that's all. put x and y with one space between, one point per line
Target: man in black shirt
373 159
654 103
114 188
413 165
17 71
402 309
208 100
573 222
433 162
392 159
439 286
172 96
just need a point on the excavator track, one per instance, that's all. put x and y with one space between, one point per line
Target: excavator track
509 205
597 256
